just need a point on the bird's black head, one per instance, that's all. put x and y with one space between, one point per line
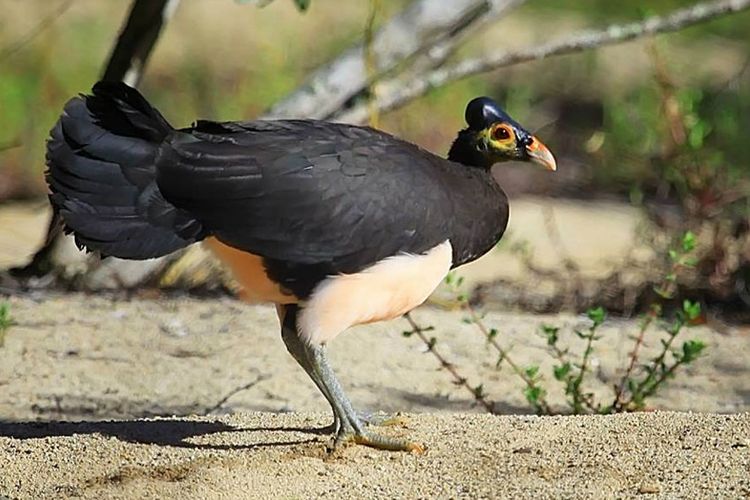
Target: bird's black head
492 136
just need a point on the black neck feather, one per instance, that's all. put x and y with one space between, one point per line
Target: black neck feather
464 150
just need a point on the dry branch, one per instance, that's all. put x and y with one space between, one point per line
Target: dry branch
397 92
126 62
406 50
137 39
422 26
47 21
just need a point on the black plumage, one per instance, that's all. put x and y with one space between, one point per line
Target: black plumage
102 166
313 198
336 224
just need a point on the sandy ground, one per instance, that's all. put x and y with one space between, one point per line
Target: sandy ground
208 404
265 455
84 356
94 358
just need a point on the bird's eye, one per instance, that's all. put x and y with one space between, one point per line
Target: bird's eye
501 133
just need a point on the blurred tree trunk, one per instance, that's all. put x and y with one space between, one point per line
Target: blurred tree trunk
421 35
407 55
137 39
126 62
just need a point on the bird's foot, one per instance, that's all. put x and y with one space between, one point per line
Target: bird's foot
352 430
375 419
378 441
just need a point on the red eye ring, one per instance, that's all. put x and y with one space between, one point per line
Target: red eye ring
501 133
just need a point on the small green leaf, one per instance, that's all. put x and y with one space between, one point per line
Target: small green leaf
688 242
533 394
632 385
547 329
302 5
692 309
407 333
492 333
663 293
689 261
500 359
596 315
551 333
479 391
531 371
675 327
561 371
5 320
691 349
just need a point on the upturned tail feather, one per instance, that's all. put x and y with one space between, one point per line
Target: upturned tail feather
101 159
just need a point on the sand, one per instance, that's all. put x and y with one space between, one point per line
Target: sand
266 455
94 358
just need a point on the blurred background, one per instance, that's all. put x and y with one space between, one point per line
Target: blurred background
646 217
650 133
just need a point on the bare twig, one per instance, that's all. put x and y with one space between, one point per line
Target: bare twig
578 396
504 355
10 145
40 27
553 232
574 281
421 26
618 405
400 92
646 389
439 52
458 379
234 391
137 39
370 66
434 56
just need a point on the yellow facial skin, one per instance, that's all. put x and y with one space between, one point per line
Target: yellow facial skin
501 143
502 139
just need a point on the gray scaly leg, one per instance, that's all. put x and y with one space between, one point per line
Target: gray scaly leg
314 360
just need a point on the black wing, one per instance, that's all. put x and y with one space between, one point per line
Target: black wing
316 193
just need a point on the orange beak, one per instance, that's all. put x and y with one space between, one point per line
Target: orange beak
539 153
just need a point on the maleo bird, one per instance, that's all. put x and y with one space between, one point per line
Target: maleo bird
337 225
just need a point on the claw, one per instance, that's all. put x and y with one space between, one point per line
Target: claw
380 442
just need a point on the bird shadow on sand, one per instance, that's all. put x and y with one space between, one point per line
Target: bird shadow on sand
166 432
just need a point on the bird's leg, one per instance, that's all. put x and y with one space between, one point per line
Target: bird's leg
352 428
347 424
288 318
